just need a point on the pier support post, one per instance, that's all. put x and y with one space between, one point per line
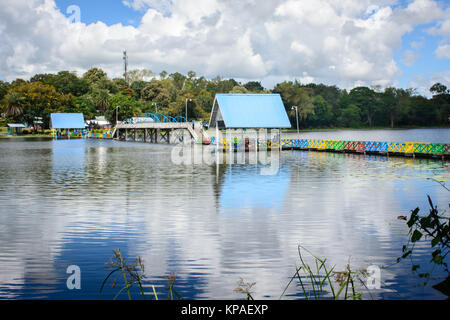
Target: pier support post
145 135
126 134
158 135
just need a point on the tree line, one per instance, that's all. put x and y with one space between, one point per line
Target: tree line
141 91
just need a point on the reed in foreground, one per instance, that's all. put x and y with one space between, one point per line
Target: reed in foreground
134 274
319 281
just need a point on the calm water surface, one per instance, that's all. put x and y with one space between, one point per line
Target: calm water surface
71 202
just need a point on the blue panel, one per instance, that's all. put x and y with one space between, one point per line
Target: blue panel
67 121
253 111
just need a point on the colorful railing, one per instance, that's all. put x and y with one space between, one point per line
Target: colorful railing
377 147
99 135
370 146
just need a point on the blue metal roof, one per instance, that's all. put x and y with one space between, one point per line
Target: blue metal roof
67 121
253 111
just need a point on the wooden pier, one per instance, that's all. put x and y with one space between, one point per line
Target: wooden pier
161 132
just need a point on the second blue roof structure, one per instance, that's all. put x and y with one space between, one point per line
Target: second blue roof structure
249 111
67 121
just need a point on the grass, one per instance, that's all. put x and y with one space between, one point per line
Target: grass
317 280
133 274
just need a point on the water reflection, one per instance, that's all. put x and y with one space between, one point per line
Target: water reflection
81 199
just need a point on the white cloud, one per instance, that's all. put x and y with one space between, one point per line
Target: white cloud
417 44
162 6
424 83
443 51
409 58
340 42
442 28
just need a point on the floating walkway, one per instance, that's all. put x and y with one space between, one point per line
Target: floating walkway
158 128
407 149
410 149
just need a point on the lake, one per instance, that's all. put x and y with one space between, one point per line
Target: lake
72 202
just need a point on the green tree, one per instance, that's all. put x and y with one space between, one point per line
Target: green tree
13 104
156 91
107 85
239 89
423 112
84 105
128 108
94 75
163 74
100 98
439 88
40 100
365 99
390 104
205 100
178 80
350 117
138 86
191 75
441 101
4 87
254 86
17 83
64 82
293 94
323 115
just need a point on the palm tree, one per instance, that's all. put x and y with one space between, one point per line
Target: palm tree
100 98
12 104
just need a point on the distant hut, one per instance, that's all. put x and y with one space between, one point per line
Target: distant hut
249 111
15 129
63 123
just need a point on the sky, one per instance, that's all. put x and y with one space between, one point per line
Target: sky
348 43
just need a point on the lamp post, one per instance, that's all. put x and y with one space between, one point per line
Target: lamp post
156 107
296 115
186 108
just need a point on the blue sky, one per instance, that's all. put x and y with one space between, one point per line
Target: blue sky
345 43
108 11
427 63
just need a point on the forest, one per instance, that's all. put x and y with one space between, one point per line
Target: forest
142 91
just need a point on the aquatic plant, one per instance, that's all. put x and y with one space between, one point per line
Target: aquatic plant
132 274
321 279
434 227
245 288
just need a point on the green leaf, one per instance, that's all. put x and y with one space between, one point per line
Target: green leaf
425 222
415 267
435 241
436 252
413 217
438 259
416 236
